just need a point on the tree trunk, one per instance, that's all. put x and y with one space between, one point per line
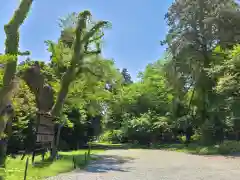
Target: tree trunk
81 40
57 110
237 136
55 147
11 51
3 151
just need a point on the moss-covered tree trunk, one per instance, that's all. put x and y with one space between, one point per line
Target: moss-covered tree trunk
82 38
11 51
81 41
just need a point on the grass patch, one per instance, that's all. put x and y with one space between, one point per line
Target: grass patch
107 145
15 167
191 148
225 148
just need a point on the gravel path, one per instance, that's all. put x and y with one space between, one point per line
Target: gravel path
157 165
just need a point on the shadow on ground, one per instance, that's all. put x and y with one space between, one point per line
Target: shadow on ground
106 163
80 160
233 155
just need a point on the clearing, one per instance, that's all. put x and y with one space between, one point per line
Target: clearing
146 164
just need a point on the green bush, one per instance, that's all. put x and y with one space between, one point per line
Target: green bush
196 137
182 139
228 147
114 136
105 137
117 136
202 151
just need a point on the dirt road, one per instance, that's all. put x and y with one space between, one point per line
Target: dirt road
157 165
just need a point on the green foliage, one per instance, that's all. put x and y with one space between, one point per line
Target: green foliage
76 55
229 147
192 94
182 139
126 77
196 137
113 136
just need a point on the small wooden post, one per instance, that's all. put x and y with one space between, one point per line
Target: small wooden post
85 158
89 152
43 154
26 168
74 163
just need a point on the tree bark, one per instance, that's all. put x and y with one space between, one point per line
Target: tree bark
3 151
11 51
55 148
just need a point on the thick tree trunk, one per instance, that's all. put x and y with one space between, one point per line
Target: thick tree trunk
57 108
55 147
237 135
3 151
11 51
67 79
69 76
81 40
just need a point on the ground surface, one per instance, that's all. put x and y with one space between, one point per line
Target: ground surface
157 165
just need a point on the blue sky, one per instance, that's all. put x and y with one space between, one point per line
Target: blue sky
133 41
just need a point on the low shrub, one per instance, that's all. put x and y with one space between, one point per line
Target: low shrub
229 147
105 137
196 137
182 139
114 136
203 151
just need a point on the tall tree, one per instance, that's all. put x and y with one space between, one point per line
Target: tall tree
191 42
126 77
79 52
9 79
227 74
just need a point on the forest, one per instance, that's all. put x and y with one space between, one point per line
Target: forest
190 95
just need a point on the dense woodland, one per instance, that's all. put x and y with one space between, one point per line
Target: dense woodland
193 91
